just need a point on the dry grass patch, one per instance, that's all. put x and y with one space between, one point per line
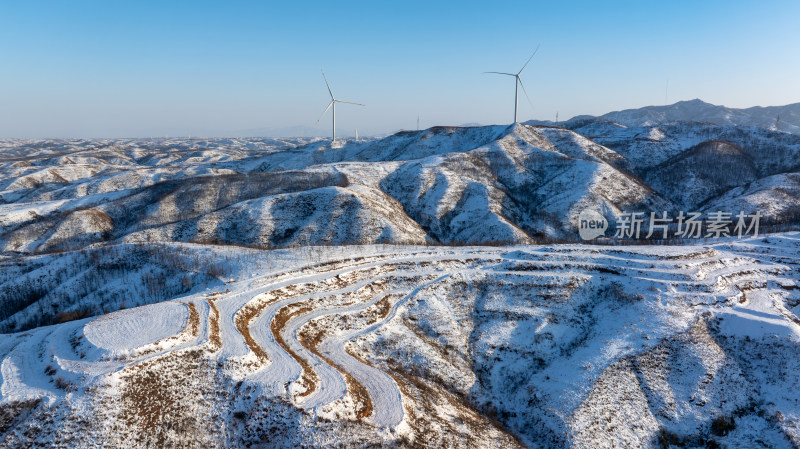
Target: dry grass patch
163 400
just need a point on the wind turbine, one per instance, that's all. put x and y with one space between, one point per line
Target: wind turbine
518 83
333 104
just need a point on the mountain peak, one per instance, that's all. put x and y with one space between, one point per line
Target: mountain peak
693 102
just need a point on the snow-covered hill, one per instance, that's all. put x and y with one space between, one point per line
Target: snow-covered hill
452 185
445 184
239 292
692 163
537 346
777 118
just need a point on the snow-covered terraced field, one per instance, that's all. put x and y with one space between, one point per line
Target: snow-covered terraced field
414 346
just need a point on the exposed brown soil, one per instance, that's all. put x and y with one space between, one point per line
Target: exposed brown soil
213 325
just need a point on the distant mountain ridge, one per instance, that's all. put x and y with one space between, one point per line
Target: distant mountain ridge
777 118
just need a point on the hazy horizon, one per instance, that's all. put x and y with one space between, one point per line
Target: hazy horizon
92 69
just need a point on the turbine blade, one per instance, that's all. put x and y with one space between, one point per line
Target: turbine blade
529 60
525 91
323 112
326 83
502 73
348 102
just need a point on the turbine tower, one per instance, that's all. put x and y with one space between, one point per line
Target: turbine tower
518 84
333 105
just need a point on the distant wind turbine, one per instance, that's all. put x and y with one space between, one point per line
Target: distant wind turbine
333 105
519 83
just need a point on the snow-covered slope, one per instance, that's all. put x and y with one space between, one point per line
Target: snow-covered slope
530 182
777 195
537 346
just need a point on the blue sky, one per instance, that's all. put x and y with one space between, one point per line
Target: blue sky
125 69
